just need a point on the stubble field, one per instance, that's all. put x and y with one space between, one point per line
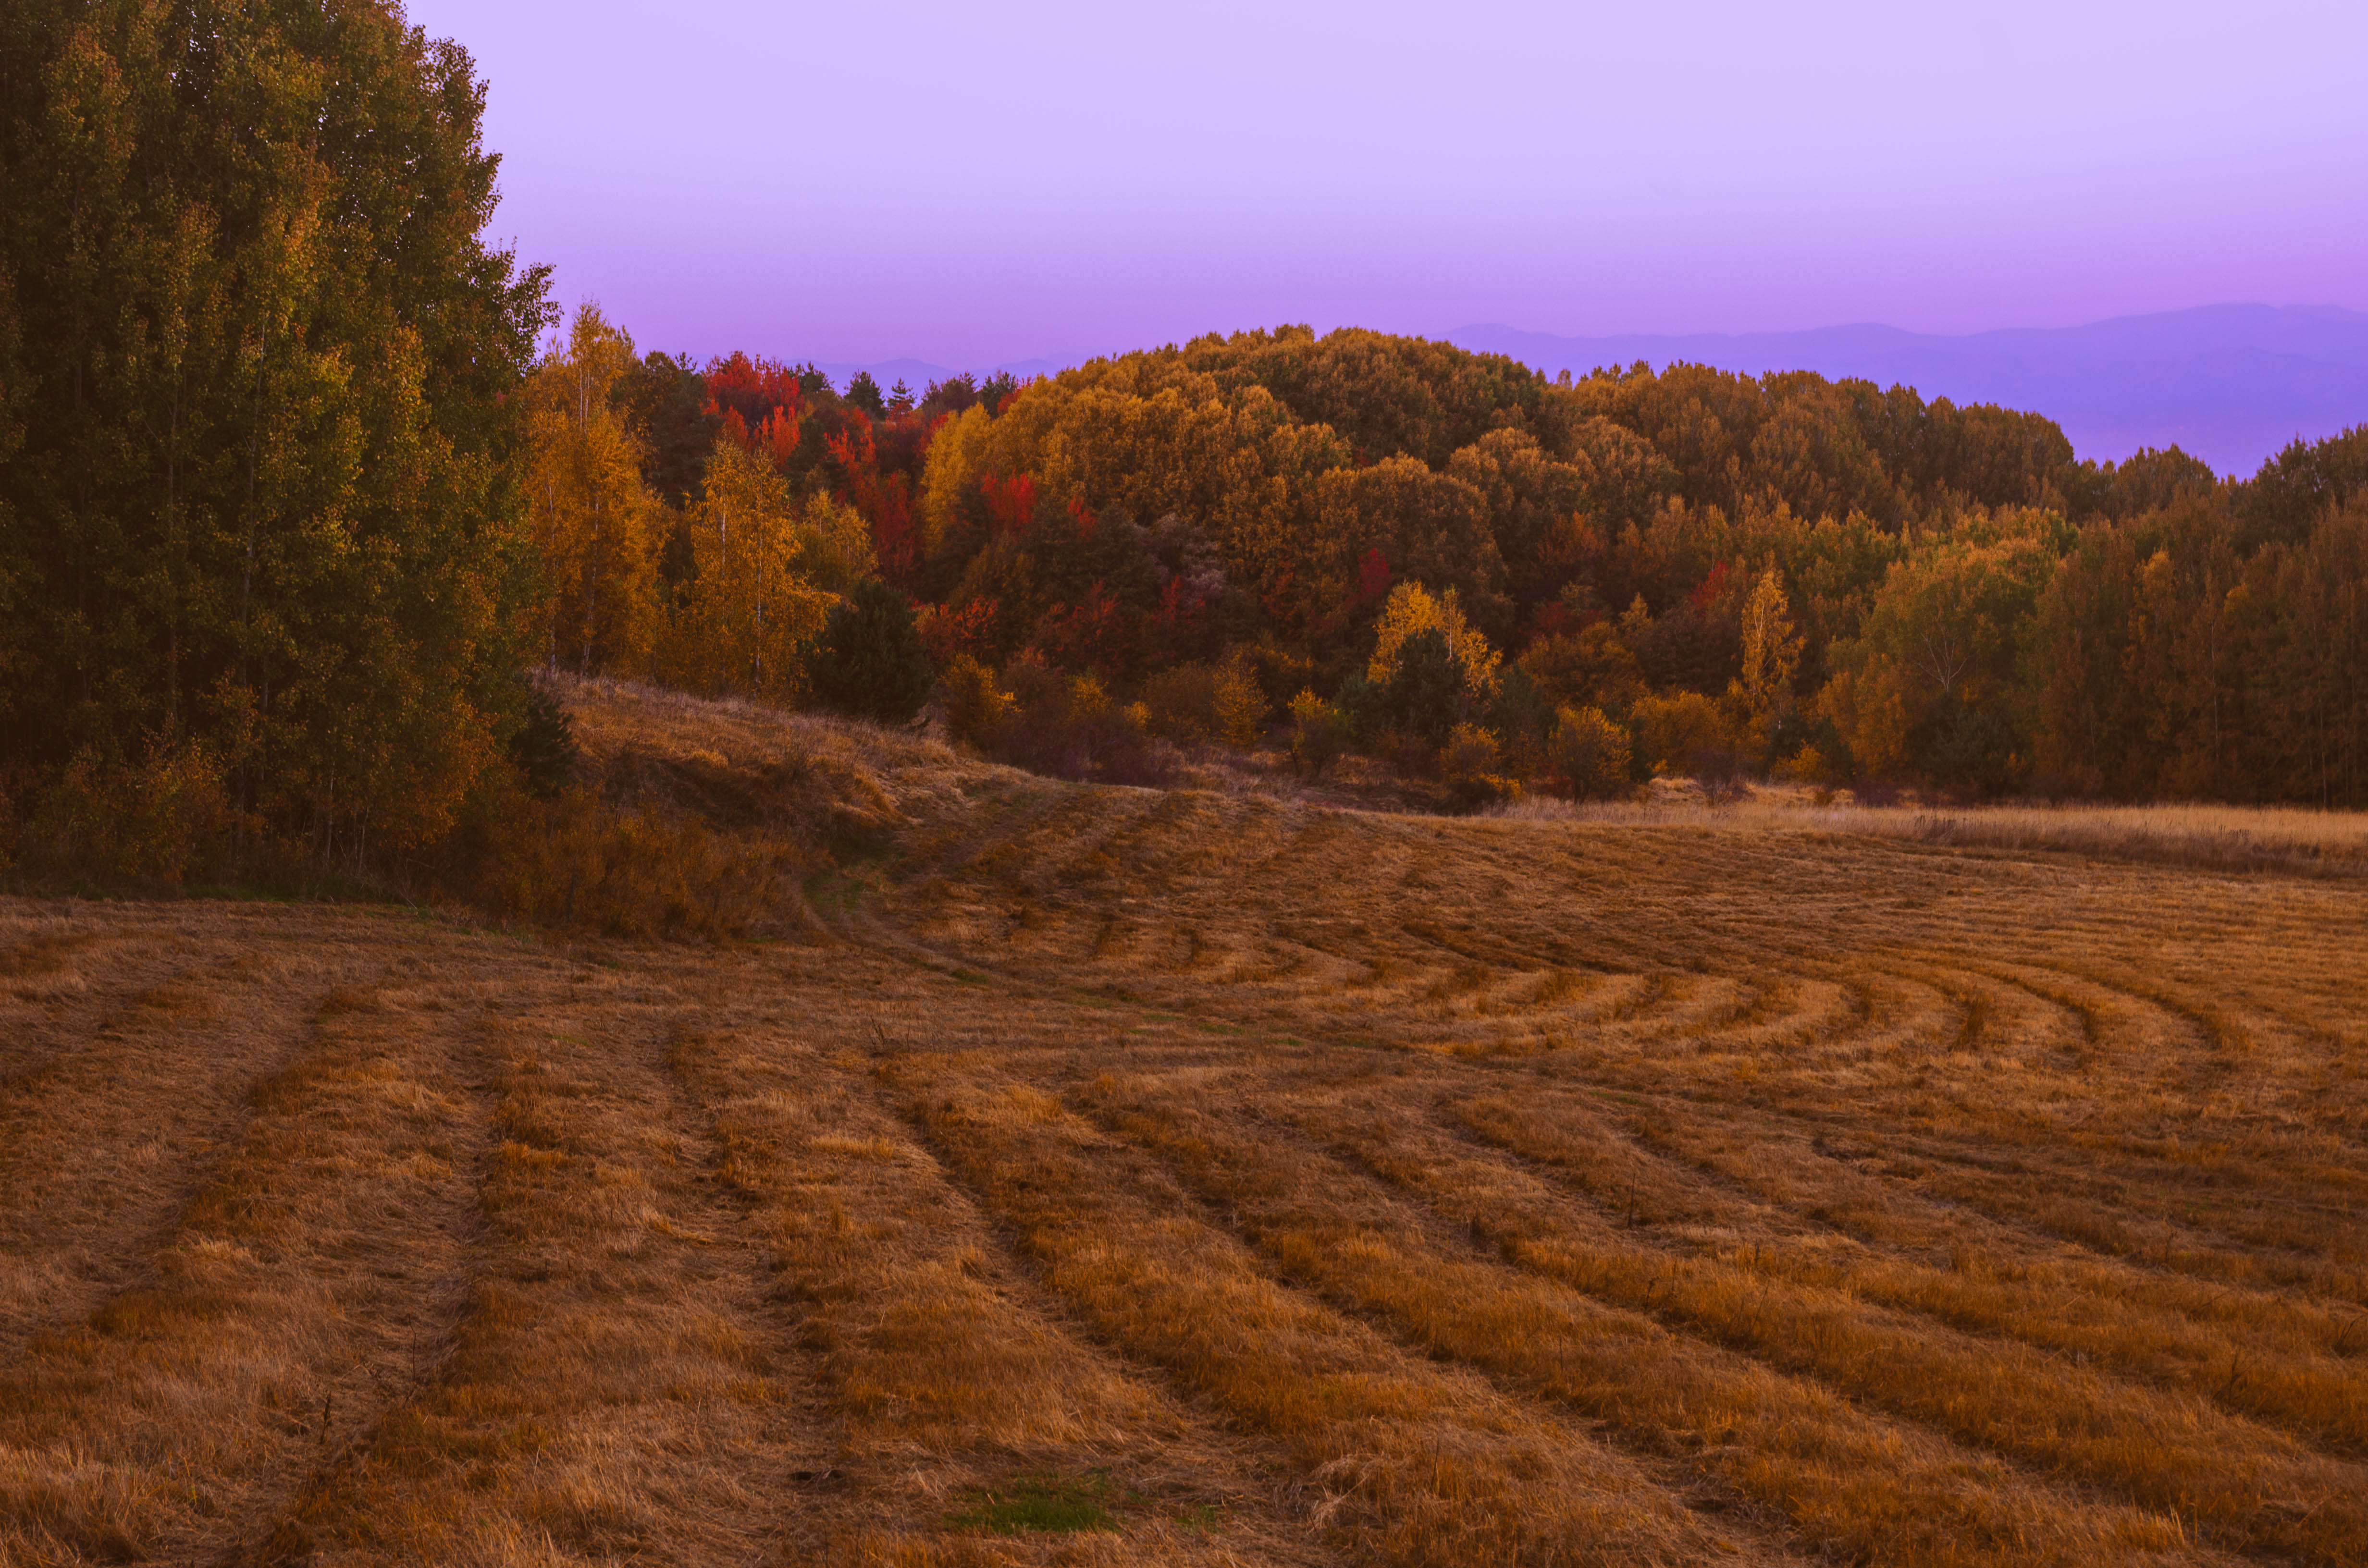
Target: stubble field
1113 1176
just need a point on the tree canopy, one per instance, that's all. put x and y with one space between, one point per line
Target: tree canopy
257 502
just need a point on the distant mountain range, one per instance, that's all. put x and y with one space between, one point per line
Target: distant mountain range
2229 383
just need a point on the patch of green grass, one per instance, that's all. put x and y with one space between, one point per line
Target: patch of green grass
968 977
835 885
1202 1518
1050 1504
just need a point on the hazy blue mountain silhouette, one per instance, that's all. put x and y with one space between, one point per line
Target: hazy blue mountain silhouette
2229 383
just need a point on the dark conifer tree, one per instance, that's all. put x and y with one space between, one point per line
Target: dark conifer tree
863 393
871 662
1425 696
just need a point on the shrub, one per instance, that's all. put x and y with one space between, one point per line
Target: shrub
1824 759
1589 758
1241 704
976 705
575 862
1067 727
871 662
1181 705
1472 765
1684 733
1319 732
157 821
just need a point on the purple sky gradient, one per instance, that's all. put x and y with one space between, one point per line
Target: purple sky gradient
968 183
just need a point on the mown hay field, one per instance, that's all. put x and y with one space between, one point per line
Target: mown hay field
1092 1175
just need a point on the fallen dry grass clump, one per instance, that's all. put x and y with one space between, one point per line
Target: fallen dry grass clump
691 817
1111 1175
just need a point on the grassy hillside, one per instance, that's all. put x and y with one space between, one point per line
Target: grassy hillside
1100 1176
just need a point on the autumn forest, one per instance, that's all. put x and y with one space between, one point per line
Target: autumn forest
1449 562
302 478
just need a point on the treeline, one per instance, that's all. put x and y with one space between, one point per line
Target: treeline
1719 574
298 486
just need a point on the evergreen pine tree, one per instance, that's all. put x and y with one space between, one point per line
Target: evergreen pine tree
1426 695
872 662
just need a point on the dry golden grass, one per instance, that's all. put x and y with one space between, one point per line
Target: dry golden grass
2232 838
1259 1182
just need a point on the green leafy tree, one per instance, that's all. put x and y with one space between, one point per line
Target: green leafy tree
256 500
1945 636
871 662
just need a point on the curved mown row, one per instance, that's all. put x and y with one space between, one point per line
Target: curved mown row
1139 1178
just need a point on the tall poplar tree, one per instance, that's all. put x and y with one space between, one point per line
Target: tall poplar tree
586 506
255 496
768 571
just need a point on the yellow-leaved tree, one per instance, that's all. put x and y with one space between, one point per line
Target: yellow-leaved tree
1411 611
1772 656
958 453
591 517
767 571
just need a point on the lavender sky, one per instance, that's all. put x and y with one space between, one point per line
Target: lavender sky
971 183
